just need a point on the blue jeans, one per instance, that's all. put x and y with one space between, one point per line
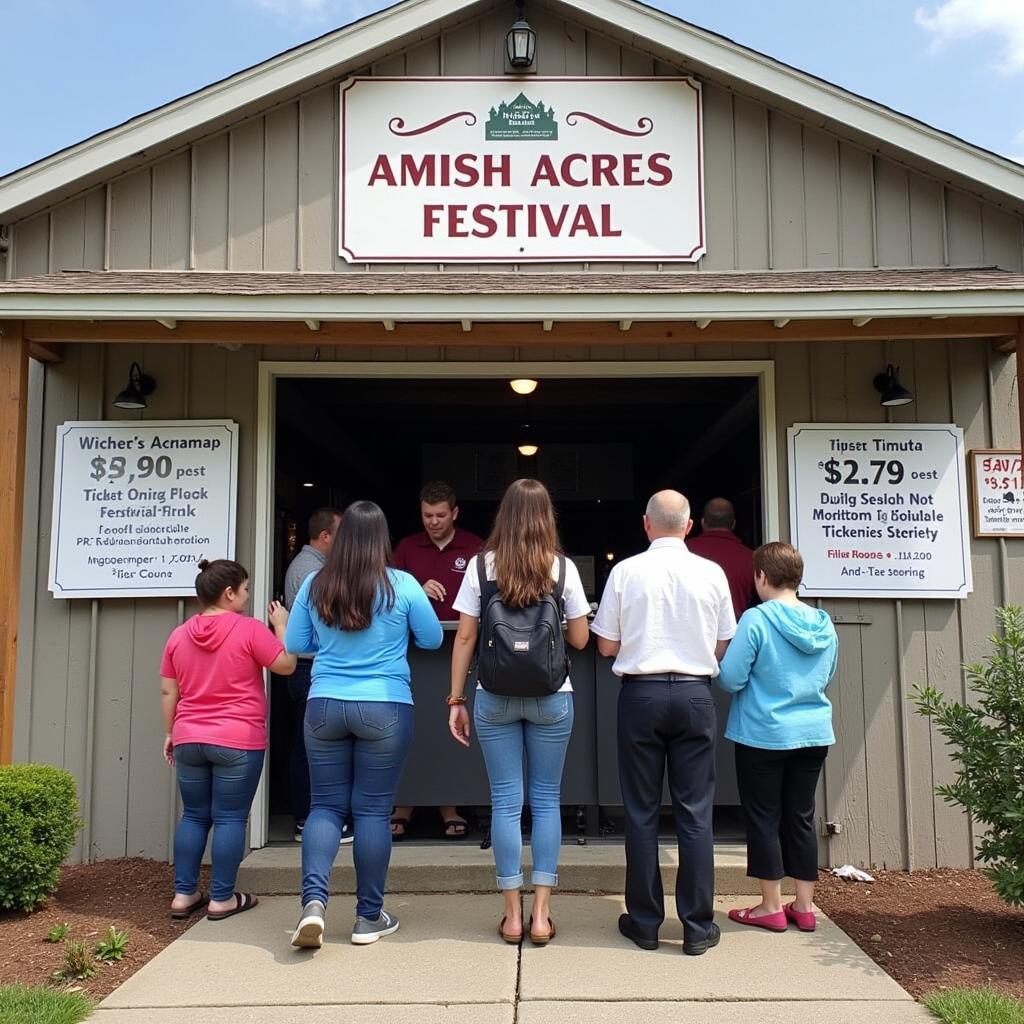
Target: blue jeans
509 728
217 785
356 751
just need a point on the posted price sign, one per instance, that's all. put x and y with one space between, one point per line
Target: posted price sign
880 510
136 505
997 490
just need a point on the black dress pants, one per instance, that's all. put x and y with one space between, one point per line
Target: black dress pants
671 723
777 793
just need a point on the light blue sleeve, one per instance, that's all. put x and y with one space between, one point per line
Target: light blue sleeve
300 636
426 630
835 663
734 668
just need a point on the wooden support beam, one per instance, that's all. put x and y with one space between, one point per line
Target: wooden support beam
1020 378
14 355
45 353
568 332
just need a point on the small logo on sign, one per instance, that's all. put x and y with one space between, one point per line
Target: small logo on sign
460 564
521 645
521 119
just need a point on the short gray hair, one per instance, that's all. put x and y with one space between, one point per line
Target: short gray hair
668 510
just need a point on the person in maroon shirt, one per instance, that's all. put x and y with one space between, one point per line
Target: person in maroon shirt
719 544
437 557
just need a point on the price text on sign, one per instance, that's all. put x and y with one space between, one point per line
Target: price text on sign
879 510
136 505
997 492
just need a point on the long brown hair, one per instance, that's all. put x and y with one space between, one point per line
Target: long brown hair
524 542
354 582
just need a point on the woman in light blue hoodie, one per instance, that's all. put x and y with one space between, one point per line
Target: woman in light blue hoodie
777 667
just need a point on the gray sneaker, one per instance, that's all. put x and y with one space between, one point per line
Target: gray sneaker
309 932
365 931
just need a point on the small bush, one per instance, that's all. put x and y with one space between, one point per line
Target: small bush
987 741
59 932
42 1006
38 822
113 945
975 1006
77 965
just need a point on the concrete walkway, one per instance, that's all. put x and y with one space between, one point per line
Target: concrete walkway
447 964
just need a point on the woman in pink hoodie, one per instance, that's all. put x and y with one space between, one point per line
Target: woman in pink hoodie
215 715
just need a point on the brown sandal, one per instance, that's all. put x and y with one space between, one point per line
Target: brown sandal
511 938
542 938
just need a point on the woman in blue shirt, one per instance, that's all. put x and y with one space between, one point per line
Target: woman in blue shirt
778 665
355 614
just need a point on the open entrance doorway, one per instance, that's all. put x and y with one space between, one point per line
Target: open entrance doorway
606 437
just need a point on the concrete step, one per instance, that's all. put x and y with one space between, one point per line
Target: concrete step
458 867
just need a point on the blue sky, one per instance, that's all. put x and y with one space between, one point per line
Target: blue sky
71 68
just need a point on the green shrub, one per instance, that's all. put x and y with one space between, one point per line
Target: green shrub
987 741
59 932
24 1005
38 822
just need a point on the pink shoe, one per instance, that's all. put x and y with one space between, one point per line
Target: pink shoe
772 922
805 920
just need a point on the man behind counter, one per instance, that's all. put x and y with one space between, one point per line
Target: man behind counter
437 557
719 543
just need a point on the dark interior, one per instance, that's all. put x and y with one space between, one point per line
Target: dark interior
604 445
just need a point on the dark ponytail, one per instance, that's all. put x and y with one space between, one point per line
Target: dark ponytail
215 577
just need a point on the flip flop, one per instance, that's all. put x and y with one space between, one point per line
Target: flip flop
181 915
460 826
245 901
509 937
539 938
770 922
397 837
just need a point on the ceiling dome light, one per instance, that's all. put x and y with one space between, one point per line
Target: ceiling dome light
523 386
529 450
308 484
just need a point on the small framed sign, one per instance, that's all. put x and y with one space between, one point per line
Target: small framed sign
997 492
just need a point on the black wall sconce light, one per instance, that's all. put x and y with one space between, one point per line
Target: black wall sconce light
140 386
892 391
521 43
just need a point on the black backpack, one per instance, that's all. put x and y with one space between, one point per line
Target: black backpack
521 650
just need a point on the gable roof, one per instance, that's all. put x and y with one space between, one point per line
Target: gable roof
407 21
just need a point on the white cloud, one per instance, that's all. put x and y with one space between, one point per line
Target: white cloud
956 20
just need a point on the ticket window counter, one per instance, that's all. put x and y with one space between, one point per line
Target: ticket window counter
603 448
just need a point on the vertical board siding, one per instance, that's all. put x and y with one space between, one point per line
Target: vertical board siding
172 212
779 193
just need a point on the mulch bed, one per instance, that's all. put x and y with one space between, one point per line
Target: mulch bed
132 894
931 930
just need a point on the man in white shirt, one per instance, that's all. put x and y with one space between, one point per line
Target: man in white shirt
666 617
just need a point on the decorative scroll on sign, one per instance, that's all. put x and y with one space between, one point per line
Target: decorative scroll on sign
448 170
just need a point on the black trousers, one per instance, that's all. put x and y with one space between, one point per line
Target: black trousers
673 724
777 792
299 683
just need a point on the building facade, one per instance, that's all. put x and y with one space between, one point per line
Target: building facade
201 241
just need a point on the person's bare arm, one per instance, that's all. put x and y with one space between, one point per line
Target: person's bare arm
720 648
168 702
284 664
462 655
577 632
608 648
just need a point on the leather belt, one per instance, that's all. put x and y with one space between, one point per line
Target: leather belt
666 677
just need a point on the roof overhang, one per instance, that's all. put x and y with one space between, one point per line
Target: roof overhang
317 62
435 297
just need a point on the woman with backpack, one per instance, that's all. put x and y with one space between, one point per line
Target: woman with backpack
356 614
512 603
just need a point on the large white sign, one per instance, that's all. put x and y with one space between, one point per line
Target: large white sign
449 170
880 510
137 504
997 489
